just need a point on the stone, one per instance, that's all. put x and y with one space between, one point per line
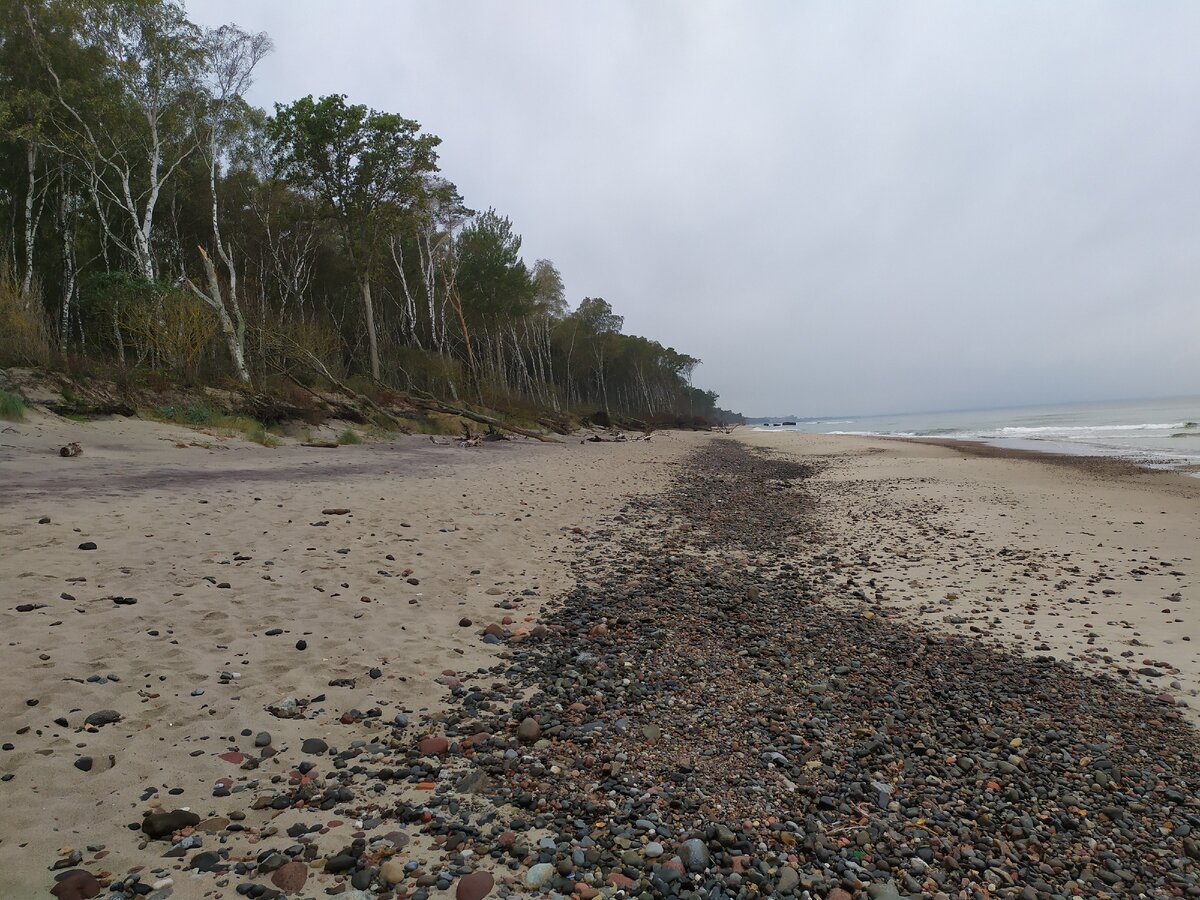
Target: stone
163 824
290 877
262 739
102 717
694 854
789 880
475 886
77 884
315 746
391 872
342 862
538 875
529 730
433 745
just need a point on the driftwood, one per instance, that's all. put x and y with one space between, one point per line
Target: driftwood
433 404
71 449
420 401
324 445
363 400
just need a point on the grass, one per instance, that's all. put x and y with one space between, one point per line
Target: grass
434 423
260 435
12 406
349 436
197 415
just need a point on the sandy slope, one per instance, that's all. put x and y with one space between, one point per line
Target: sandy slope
221 542
1086 560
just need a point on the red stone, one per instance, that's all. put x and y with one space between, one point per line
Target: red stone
433 745
675 864
77 884
234 757
475 886
290 877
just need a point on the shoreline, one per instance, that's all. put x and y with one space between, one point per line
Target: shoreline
1096 465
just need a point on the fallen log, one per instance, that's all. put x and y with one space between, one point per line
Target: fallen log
71 449
325 445
433 404
320 368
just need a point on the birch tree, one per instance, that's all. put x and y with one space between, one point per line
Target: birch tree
131 122
230 57
367 167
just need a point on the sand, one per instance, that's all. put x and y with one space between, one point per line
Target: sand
221 541
231 557
1084 559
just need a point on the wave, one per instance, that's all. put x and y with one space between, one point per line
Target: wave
877 433
1084 430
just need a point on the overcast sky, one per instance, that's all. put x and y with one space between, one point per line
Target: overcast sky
840 207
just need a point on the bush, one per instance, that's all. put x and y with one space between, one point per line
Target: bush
259 434
12 406
24 334
195 414
349 436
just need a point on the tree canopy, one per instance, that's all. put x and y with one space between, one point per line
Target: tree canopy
144 190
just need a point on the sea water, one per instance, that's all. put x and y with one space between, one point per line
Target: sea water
1154 433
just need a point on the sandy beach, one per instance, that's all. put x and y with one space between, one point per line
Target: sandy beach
214 556
252 624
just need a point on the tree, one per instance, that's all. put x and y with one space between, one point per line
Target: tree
368 167
230 57
599 323
128 116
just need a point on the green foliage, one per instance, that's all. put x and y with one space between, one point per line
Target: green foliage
24 338
259 434
195 414
492 278
352 253
12 406
349 436
366 166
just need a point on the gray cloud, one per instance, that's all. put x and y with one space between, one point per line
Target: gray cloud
839 207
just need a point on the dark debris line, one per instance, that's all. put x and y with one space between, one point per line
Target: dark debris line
706 727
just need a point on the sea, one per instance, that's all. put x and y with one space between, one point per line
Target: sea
1160 434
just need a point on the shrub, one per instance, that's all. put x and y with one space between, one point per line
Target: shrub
12 406
24 334
349 436
259 434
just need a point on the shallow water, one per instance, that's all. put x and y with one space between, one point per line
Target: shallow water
1162 433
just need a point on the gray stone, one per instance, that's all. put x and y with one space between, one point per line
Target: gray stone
694 854
538 876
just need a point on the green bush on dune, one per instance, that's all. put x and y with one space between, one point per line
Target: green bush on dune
12 406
